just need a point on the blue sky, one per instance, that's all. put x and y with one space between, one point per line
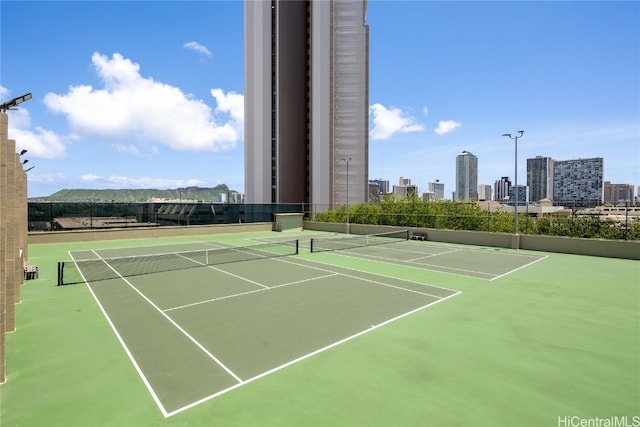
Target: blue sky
149 94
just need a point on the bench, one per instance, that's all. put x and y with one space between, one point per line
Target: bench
30 272
419 235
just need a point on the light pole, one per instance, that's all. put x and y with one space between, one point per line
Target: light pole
515 192
347 160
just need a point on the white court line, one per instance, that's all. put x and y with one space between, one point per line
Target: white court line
248 292
415 265
367 272
373 281
124 345
226 272
185 333
495 277
306 356
483 249
394 249
241 382
521 267
152 245
433 255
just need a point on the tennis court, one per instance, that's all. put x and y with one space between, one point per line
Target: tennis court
396 248
201 319
549 339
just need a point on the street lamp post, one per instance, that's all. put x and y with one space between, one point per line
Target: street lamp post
347 160
515 192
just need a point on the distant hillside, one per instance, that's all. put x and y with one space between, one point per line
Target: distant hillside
140 195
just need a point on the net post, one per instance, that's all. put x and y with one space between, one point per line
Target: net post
60 270
311 245
297 245
407 234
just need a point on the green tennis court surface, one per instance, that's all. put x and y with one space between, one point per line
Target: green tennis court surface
196 333
486 263
347 337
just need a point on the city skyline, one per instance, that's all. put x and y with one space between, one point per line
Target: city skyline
143 107
543 181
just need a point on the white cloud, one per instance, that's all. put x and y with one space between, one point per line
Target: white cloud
387 122
46 177
90 177
4 93
131 149
39 142
230 106
198 48
118 181
447 126
140 110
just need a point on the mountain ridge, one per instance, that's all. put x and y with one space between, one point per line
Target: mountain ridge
187 194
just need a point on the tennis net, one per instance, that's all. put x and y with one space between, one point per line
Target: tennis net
92 270
324 244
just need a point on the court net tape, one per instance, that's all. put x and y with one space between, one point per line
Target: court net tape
351 241
92 270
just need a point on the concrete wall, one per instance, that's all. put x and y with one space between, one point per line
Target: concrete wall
629 249
144 233
569 245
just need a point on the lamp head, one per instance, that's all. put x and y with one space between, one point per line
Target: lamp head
10 105
507 135
23 152
521 132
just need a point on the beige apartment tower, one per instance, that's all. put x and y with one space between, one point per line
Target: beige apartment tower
306 102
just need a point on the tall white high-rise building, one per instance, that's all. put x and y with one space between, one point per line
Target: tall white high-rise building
306 102
466 176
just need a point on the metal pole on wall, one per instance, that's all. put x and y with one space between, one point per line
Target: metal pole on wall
515 191
347 160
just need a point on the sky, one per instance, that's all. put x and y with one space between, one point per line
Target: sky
149 94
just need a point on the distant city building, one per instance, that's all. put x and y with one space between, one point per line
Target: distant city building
437 188
404 187
236 197
540 178
518 192
306 102
466 177
616 193
404 190
579 182
384 185
484 192
501 189
428 196
374 191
